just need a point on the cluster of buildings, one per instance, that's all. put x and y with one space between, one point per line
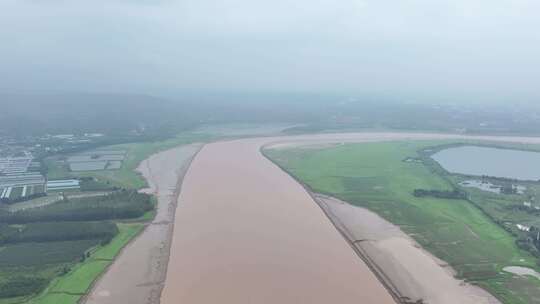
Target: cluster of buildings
20 176
15 165
64 184
16 187
18 180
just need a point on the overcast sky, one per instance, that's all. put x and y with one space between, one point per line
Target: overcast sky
485 49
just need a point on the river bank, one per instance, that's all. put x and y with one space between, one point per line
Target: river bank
412 273
137 275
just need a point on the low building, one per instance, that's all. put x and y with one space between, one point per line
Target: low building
63 184
16 187
15 165
21 179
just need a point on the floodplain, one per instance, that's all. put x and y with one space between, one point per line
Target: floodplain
473 240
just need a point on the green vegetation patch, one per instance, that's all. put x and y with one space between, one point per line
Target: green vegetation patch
56 298
79 280
118 205
127 232
31 254
378 177
21 286
57 231
91 184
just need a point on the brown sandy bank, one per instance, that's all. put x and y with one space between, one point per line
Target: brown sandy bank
137 275
412 272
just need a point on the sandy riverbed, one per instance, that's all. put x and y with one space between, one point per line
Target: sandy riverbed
137 275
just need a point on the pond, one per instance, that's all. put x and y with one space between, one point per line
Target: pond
475 160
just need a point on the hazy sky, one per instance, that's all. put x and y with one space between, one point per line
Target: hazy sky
475 48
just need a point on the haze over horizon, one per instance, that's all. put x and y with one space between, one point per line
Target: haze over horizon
250 151
453 50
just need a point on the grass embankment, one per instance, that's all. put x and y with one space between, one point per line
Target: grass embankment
375 176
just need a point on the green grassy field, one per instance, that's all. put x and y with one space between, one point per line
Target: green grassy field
374 175
127 232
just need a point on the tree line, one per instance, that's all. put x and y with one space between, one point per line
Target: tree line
444 194
57 231
123 204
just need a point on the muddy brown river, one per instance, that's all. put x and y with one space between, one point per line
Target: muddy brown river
246 232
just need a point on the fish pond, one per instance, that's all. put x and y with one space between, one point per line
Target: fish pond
496 162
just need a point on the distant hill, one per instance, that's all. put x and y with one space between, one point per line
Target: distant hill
24 114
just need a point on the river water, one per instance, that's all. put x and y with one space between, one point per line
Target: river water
246 232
